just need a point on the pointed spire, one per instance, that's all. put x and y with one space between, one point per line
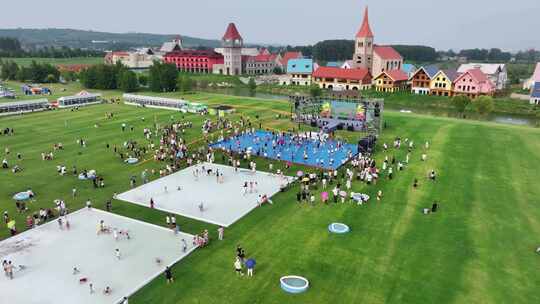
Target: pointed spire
365 30
231 33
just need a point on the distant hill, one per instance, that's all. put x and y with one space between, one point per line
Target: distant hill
35 38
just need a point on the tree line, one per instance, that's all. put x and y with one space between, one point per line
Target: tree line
483 55
343 49
162 77
12 48
35 72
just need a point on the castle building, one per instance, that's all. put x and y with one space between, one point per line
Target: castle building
232 51
375 58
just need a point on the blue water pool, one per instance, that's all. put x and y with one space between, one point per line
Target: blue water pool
294 284
339 228
330 154
21 196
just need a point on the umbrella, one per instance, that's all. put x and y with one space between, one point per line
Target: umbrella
299 173
324 195
250 263
305 179
11 224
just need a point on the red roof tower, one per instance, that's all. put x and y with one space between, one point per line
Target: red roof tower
232 33
365 30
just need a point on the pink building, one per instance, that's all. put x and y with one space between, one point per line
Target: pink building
473 83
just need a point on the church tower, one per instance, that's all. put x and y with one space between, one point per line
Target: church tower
232 44
363 49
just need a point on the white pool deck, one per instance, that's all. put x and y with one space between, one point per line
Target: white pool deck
49 255
223 203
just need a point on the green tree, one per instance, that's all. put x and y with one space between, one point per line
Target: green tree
484 105
169 73
143 80
9 70
127 81
186 84
460 103
51 79
315 91
154 77
163 77
252 85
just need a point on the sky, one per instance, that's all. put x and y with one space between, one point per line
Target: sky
456 24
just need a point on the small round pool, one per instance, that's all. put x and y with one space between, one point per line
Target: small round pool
294 284
338 228
132 160
21 196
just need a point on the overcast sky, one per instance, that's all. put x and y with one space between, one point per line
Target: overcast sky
456 24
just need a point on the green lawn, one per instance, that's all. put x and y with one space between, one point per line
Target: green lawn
478 249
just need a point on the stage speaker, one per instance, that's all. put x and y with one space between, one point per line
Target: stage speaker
340 126
313 123
350 128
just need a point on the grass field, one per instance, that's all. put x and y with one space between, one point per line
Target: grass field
76 60
478 249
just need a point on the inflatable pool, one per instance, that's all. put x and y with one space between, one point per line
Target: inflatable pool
88 176
360 197
294 284
132 160
338 228
21 196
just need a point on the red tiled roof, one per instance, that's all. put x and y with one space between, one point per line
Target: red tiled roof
396 75
386 52
72 67
365 30
262 57
478 75
194 53
231 33
333 72
290 55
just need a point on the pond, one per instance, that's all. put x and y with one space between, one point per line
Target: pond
511 119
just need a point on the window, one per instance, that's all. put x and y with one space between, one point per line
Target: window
360 44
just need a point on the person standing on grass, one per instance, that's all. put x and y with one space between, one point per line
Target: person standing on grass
168 275
74 192
89 204
238 266
108 206
250 265
168 221
379 195
221 231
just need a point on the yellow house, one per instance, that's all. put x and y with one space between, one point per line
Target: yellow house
442 84
391 81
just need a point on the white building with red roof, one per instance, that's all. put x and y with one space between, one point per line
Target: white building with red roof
232 44
368 55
